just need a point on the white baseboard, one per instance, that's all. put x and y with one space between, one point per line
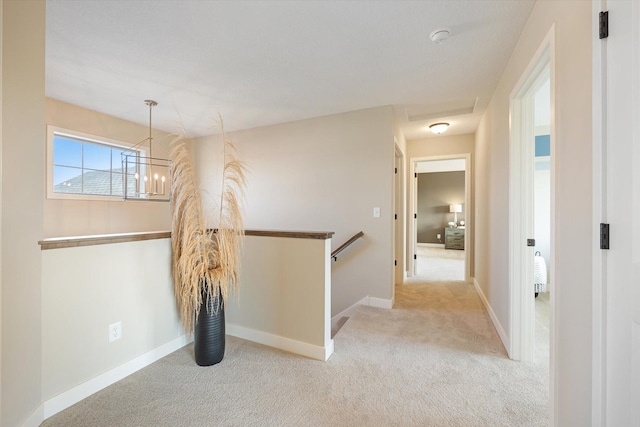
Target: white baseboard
431 245
36 418
282 343
380 302
496 323
348 312
370 301
86 389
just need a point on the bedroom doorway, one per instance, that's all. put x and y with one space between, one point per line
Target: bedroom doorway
531 219
440 229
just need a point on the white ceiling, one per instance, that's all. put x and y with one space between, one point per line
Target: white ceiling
259 63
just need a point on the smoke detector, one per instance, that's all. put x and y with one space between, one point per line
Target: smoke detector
440 35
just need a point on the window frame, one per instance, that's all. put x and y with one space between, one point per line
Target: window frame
52 131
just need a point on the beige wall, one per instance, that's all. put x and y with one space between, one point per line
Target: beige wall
285 295
446 145
86 289
442 145
573 220
77 217
322 174
23 47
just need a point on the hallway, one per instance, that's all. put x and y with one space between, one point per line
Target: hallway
439 264
433 360
456 314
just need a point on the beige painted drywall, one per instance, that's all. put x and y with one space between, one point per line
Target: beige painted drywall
446 145
86 289
573 219
78 217
322 174
282 290
442 145
23 39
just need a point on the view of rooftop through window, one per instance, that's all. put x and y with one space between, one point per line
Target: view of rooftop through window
82 166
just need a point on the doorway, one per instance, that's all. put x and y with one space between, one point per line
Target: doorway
448 209
399 229
542 222
532 231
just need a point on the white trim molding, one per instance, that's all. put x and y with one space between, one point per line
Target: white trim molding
599 210
380 302
369 301
521 299
70 397
282 343
521 113
492 315
36 418
348 312
412 241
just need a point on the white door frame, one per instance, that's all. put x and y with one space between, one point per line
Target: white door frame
615 379
399 224
599 270
413 229
522 300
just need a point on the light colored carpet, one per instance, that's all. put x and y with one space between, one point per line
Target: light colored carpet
437 264
438 362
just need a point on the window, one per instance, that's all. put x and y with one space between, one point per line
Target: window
84 166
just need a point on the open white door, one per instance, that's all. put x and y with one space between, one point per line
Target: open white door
521 197
617 202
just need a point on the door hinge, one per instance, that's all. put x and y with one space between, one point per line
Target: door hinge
604 236
604 24
395 170
415 175
395 262
415 256
415 216
395 216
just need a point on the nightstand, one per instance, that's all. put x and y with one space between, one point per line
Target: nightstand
454 238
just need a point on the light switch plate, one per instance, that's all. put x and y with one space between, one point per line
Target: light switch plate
376 212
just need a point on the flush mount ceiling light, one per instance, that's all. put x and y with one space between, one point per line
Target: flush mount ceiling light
439 128
440 35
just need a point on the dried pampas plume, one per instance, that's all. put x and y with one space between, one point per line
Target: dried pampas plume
205 262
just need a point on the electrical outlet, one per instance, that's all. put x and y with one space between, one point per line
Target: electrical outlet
115 331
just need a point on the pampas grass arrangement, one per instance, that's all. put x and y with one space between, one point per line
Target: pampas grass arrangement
205 262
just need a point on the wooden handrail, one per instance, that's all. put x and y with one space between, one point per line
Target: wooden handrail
70 242
344 246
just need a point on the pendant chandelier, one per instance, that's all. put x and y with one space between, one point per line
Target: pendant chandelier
145 177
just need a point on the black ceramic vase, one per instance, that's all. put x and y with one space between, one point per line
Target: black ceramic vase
209 332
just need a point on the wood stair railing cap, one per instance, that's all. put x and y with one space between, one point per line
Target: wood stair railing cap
103 239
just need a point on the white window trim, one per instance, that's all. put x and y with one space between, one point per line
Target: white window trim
51 130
